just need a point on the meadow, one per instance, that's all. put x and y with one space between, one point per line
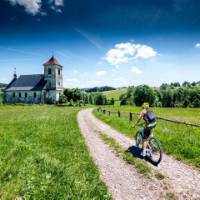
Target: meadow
44 156
181 141
115 94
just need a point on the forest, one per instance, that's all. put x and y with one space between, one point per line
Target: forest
167 95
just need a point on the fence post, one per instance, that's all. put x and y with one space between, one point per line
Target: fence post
119 114
130 117
109 113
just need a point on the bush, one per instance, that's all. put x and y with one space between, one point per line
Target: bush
143 94
62 99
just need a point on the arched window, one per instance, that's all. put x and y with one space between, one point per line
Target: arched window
49 71
13 94
20 95
58 71
26 95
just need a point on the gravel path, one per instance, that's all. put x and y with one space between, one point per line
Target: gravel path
184 179
122 179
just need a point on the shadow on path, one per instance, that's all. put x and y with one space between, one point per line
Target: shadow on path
136 152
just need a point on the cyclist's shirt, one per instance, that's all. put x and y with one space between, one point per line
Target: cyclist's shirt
148 125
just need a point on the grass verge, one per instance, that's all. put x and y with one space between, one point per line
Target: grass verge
44 156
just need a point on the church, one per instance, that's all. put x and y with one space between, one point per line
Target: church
37 88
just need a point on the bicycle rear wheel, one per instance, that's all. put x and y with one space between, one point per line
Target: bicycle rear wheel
155 150
139 140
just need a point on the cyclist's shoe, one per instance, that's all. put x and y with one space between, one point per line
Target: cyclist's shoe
143 154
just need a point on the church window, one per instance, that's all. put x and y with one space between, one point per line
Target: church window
58 71
49 70
26 94
13 94
35 95
59 83
20 95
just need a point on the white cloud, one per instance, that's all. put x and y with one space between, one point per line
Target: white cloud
136 70
31 6
55 8
124 52
101 73
197 45
59 2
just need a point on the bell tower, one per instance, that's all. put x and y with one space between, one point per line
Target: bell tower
53 75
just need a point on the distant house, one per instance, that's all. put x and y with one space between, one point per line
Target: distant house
37 88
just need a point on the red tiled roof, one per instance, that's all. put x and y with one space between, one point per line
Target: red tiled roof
53 61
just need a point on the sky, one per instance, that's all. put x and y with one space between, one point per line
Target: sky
116 42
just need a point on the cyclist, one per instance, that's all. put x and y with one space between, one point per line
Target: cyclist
150 123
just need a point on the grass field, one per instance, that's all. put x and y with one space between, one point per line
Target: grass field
43 155
181 141
115 93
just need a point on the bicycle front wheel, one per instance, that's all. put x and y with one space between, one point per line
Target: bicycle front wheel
155 150
139 140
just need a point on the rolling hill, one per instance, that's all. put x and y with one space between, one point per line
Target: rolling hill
115 93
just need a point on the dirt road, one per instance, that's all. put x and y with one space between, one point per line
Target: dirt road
123 180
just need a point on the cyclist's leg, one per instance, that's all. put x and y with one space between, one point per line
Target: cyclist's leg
147 132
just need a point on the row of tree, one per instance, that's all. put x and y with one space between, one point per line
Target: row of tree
99 89
167 95
79 97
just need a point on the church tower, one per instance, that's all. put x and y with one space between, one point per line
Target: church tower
53 75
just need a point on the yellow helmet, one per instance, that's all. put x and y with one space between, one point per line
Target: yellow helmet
145 105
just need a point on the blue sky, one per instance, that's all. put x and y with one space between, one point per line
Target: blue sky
116 42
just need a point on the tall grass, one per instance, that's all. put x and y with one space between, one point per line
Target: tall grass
43 155
183 142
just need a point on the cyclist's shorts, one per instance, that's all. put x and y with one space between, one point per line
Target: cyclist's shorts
146 132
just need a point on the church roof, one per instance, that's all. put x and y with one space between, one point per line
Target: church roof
27 83
53 61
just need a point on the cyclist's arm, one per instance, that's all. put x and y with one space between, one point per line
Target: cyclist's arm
138 120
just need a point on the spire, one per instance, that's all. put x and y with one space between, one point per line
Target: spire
52 61
15 74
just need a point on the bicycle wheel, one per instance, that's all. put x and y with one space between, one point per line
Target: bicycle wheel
139 140
155 150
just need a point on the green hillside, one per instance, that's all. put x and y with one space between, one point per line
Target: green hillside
115 93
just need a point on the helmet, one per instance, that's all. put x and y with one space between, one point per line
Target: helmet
145 105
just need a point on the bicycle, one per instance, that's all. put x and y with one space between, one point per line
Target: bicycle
154 149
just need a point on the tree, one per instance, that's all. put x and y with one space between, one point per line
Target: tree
74 94
164 86
186 84
112 101
143 94
176 84
196 103
100 99
62 99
